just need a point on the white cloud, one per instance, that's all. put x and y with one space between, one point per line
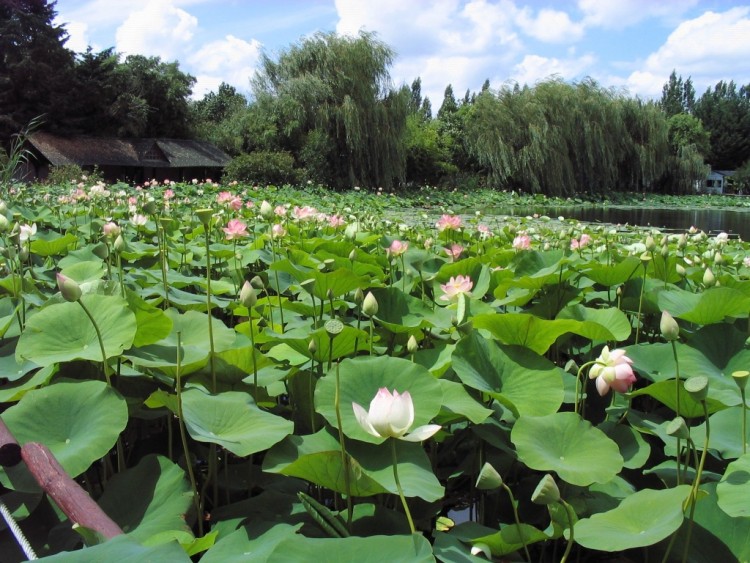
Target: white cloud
158 29
618 14
230 60
709 48
78 37
550 26
534 68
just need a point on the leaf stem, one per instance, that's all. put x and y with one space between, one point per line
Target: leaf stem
398 486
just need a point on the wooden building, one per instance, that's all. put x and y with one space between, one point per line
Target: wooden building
129 160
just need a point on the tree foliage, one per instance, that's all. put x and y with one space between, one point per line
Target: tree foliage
35 67
677 96
725 112
330 97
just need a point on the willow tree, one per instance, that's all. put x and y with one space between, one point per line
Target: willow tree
335 108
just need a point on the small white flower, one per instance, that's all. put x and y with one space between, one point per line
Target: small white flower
391 416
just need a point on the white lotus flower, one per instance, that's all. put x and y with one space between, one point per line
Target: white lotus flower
391 416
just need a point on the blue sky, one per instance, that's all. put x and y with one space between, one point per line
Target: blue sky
624 44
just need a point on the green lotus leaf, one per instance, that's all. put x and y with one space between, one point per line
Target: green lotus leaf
598 324
124 550
456 401
361 377
710 306
642 519
633 448
79 421
734 489
401 312
153 324
521 380
151 498
615 274
565 443
233 421
718 536
52 244
63 332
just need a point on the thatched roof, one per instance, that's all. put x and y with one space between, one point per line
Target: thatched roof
157 153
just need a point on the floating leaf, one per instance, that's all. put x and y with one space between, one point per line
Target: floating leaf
563 442
642 519
63 332
521 380
79 421
233 421
734 489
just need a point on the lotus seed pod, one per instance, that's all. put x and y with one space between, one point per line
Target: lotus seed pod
204 216
546 491
740 378
489 479
150 207
678 429
670 330
697 387
370 305
709 280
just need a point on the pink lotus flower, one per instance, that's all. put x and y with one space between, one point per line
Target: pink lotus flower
138 220
580 243
304 213
278 231
391 416
612 369
456 286
449 223
397 248
484 231
522 242
111 230
280 210
335 221
168 194
455 251
224 198
235 229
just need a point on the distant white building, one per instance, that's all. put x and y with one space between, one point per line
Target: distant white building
716 181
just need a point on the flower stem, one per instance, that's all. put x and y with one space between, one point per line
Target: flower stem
568 511
696 483
677 406
211 359
398 486
344 456
518 521
183 437
101 341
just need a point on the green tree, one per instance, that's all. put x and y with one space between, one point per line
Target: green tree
330 97
684 130
35 67
725 112
221 117
677 96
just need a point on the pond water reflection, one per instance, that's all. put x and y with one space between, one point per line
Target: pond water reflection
732 221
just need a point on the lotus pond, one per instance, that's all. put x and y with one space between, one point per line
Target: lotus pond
236 373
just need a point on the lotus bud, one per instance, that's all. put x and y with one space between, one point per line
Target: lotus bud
69 289
266 210
618 291
664 251
740 378
664 241
3 207
682 242
359 296
412 346
4 223
709 280
312 347
353 255
678 429
670 330
680 270
257 283
370 305
546 491
697 387
482 548
23 254
119 244
650 243
718 259
330 295
248 296
204 216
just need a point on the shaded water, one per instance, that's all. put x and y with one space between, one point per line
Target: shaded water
733 221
